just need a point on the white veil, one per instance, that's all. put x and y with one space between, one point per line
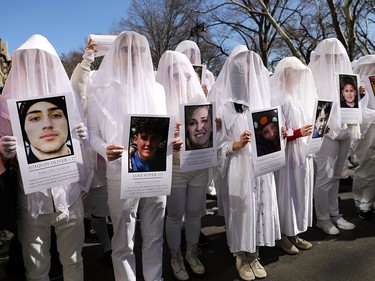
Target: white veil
180 81
327 60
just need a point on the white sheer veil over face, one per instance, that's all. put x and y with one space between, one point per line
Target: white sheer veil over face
293 81
365 66
247 82
327 60
125 84
216 93
191 50
127 69
180 81
36 71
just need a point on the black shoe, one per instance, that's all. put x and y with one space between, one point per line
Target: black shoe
203 240
365 215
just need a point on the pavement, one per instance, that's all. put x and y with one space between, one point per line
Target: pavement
345 257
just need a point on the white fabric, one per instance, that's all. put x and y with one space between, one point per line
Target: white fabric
37 71
247 84
292 87
327 60
172 71
364 180
191 50
365 66
125 83
216 93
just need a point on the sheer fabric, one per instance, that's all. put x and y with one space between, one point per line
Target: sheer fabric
37 72
180 82
327 60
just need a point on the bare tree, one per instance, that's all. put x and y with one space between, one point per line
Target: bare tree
164 23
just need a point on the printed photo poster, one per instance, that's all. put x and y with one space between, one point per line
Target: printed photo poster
370 83
267 141
349 97
147 164
200 70
198 132
322 111
48 147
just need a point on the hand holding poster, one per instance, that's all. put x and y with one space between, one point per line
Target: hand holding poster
322 114
147 167
267 142
48 148
349 99
199 135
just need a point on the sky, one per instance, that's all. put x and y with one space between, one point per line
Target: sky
65 23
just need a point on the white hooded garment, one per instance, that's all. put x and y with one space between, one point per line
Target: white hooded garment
124 84
38 72
365 66
327 60
249 203
193 53
292 87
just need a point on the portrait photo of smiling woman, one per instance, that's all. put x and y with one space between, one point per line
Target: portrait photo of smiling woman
45 128
198 123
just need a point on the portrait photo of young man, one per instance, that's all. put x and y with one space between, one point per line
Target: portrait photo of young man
147 145
45 128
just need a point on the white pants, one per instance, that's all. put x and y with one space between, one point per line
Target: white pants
188 194
330 163
35 237
124 214
364 177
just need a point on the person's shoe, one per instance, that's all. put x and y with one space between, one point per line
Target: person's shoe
286 246
178 267
258 269
192 252
243 267
342 223
328 227
300 243
365 215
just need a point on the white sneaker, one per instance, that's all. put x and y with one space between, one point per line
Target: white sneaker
243 267
258 269
342 223
328 227
178 267
192 252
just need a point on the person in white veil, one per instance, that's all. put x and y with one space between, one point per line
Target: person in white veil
292 87
216 96
188 193
38 72
95 203
192 51
250 204
327 60
364 178
125 84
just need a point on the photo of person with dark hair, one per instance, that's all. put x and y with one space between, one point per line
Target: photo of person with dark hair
372 83
198 122
198 70
322 114
348 91
148 144
45 128
267 135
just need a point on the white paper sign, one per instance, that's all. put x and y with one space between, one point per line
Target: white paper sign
147 163
198 133
48 148
267 141
322 111
349 95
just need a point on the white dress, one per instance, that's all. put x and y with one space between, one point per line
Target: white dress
295 180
